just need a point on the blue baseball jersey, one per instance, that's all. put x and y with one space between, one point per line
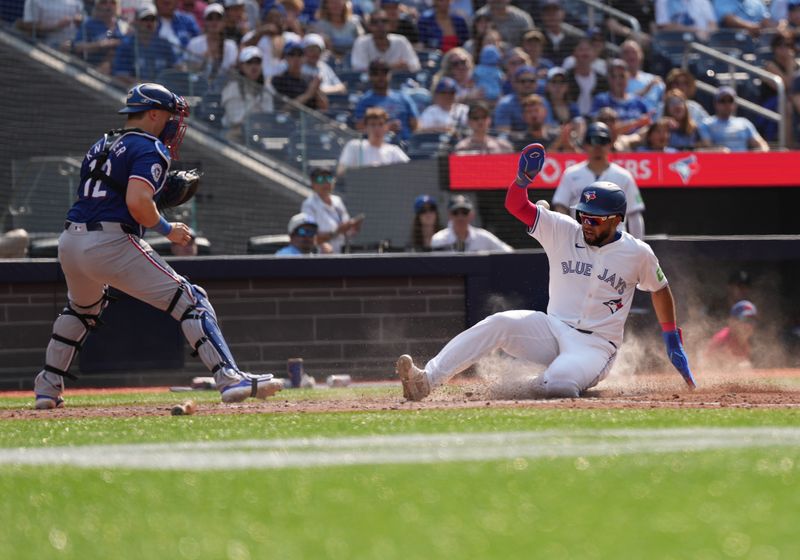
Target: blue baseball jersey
134 154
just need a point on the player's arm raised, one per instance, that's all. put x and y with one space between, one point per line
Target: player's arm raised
664 305
531 160
139 198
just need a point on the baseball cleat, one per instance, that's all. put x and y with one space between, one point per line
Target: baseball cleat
255 386
416 385
48 388
43 402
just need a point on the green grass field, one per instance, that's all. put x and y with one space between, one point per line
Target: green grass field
515 483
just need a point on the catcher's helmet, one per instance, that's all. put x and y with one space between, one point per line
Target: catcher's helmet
145 97
602 198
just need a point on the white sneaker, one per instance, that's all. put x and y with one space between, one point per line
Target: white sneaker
256 386
416 385
48 388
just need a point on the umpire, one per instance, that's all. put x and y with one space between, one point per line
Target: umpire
125 178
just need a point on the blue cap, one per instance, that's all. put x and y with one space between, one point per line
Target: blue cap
524 69
422 201
446 85
490 55
743 310
292 46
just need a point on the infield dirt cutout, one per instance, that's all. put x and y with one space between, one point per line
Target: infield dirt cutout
774 388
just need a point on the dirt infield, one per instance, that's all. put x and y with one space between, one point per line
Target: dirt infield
752 389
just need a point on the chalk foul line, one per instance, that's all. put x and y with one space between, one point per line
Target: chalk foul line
399 449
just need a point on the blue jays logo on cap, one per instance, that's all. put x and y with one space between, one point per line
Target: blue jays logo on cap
589 195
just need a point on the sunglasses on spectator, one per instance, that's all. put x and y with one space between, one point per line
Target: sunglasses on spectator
459 62
322 179
214 17
148 18
305 231
725 100
557 82
478 117
460 212
378 72
380 20
593 220
526 80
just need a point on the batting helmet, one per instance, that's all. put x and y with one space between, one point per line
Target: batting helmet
145 97
597 133
602 198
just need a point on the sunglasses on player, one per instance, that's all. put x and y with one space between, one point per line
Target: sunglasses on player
592 220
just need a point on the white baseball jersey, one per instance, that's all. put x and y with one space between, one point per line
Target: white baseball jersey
478 239
591 288
579 176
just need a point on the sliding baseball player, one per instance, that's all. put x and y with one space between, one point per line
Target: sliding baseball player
594 270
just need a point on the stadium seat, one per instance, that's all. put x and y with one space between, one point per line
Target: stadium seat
183 83
269 132
425 145
355 81
209 110
266 244
339 102
668 49
315 148
732 38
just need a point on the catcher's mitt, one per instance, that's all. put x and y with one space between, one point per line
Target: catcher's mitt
179 188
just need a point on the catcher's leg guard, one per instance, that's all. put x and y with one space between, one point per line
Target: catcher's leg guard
198 320
69 333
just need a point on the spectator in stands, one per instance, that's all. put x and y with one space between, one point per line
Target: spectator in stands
784 64
53 22
401 109
399 21
426 223
246 93
533 44
379 44
371 151
697 17
481 34
457 64
440 29
786 14
293 9
619 142
337 24
599 53
487 75
196 9
143 55
515 59
302 231
14 244
271 37
236 21
599 167
630 108
444 114
554 138
686 133
313 49
98 38
681 79
211 54
508 113
583 81
479 121
174 26
509 21
644 85
329 212
750 15
656 137
730 347
558 45
560 110
303 89
725 129
462 237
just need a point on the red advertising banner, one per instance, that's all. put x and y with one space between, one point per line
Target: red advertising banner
651 170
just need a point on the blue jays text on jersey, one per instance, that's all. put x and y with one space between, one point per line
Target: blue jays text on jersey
585 269
132 154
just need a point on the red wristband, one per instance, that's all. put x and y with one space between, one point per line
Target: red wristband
669 327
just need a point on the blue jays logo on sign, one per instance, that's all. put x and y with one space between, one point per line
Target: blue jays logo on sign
589 195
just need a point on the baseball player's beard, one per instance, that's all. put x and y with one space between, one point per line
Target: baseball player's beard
599 239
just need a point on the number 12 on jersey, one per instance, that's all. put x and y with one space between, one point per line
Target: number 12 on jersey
96 191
